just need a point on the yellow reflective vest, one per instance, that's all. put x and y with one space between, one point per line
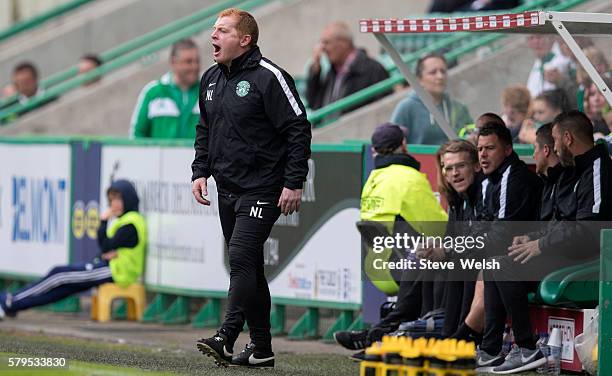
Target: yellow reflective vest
398 188
128 266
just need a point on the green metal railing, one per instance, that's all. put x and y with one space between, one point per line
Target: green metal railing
381 87
144 40
40 19
128 53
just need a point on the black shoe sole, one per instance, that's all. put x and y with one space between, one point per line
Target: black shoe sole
208 351
252 366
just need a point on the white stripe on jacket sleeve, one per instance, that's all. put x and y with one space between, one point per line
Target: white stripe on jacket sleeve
283 84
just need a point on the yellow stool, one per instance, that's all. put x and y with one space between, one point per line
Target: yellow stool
102 300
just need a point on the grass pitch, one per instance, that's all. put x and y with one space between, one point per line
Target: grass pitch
87 357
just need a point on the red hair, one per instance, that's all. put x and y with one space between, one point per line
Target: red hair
246 24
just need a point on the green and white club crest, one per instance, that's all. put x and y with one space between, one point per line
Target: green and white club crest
242 89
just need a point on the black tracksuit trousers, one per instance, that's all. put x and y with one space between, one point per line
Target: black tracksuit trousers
247 221
419 292
457 304
502 297
506 292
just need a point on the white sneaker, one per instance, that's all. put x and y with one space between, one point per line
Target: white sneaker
520 360
485 362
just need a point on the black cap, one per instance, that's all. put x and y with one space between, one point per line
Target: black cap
388 137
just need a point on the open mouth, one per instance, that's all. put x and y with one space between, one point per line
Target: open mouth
484 164
216 49
458 181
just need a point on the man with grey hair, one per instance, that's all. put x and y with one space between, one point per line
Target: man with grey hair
168 108
350 68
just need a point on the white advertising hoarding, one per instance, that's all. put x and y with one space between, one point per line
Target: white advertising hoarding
186 245
34 208
328 266
185 242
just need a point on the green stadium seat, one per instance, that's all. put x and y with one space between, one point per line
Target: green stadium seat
575 286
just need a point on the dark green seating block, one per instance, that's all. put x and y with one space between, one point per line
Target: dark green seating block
575 286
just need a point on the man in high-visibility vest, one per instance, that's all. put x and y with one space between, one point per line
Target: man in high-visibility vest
397 195
122 246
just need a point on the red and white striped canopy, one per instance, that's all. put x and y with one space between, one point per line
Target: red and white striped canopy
531 22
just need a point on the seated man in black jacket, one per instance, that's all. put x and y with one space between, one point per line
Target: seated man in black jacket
579 195
548 166
511 193
459 180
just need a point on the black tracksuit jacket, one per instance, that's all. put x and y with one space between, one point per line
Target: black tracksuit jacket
550 189
582 203
253 133
510 193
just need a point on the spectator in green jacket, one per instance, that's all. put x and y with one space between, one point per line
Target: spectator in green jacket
168 108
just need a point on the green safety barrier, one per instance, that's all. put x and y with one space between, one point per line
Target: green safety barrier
277 320
40 19
171 306
177 312
14 286
156 309
358 324
120 312
125 54
605 306
381 87
343 322
307 327
209 316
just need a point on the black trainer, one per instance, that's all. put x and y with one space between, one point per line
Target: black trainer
217 347
358 356
250 357
352 340
519 360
